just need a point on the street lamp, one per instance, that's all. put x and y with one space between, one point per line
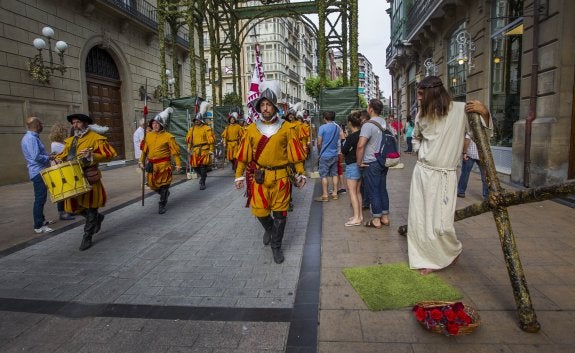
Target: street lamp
38 69
466 48
430 67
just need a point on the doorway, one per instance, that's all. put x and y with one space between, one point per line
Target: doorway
105 98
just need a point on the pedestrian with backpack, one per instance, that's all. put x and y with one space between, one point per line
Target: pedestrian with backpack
374 173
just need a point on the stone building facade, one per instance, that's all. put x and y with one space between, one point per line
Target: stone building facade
516 56
113 52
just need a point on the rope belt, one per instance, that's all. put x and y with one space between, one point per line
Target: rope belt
444 175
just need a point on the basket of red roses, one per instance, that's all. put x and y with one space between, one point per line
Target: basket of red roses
448 318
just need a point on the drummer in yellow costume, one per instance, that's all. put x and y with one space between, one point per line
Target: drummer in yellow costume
200 139
89 148
231 137
269 150
158 146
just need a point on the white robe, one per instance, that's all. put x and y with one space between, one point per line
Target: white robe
431 239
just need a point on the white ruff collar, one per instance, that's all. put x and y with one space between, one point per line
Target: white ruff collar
268 130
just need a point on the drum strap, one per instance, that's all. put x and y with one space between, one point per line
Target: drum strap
72 152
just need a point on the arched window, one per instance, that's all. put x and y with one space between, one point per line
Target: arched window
456 73
100 63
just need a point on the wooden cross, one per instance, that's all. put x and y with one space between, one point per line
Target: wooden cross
497 203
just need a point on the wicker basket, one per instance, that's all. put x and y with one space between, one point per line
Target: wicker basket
439 328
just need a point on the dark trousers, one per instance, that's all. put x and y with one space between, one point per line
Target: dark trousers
40 196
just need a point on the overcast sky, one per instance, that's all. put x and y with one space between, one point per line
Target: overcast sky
374 38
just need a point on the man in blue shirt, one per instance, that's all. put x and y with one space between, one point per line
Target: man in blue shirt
36 160
328 138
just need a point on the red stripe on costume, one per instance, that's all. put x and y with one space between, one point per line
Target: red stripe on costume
241 153
262 196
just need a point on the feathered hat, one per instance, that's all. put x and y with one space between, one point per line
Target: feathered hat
269 90
299 112
162 117
86 119
82 117
202 111
233 115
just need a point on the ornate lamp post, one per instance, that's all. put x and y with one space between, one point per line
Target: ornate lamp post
39 69
466 47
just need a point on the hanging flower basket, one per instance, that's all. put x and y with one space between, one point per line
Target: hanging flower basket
447 318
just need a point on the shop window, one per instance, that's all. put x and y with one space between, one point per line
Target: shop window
506 46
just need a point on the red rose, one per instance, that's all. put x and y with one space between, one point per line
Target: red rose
420 313
457 306
435 314
452 329
449 315
464 317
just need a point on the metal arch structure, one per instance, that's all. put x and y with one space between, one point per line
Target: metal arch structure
341 32
217 14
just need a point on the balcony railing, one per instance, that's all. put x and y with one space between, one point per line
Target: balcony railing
293 75
390 53
418 13
145 13
292 49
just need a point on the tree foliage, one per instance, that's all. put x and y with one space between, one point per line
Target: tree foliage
233 99
312 85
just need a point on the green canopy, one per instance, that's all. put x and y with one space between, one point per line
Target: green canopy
342 100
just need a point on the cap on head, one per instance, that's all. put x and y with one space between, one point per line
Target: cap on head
82 117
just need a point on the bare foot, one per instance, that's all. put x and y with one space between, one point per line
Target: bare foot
425 271
384 220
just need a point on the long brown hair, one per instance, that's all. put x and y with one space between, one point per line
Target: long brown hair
435 100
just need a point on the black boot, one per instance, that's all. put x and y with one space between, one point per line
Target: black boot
268 224
89 228
203 176
164 192
99 223
86 242
277 236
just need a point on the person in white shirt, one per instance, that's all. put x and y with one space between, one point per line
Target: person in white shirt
138 138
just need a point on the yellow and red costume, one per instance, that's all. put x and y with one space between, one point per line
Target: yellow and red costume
200 140
159 148
303 134
102 151
232 135
274 153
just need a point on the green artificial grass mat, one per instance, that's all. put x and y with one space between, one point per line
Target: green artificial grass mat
394 286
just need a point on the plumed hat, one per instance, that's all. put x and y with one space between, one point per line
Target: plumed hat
202 111
162 117
269 90
233 115
82 117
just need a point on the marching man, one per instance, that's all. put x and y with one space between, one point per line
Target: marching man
272 153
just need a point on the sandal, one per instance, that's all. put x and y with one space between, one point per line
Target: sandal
352 224
322 199
335 197
371 225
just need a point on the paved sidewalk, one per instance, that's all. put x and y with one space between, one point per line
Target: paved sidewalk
159 286
546 243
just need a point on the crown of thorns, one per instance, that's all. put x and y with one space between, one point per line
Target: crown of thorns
430 84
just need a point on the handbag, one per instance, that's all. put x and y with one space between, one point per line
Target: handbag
388 155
